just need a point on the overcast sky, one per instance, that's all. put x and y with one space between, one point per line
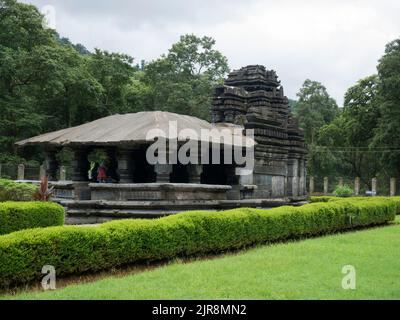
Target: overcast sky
335 42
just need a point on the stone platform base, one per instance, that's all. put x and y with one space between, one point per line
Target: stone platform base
92 212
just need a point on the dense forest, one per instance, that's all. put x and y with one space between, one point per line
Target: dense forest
48 83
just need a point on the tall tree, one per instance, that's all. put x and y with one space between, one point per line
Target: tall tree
343 145
114 72
314 109
183 80
44 84
388 131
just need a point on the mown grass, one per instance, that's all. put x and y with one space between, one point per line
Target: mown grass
309 269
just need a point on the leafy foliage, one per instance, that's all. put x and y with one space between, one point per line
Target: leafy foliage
314 109
343 191
16 216
183 80
15 191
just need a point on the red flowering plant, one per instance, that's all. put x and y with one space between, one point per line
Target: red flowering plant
44 193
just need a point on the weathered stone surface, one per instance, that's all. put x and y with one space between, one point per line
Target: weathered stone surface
253 97
157 192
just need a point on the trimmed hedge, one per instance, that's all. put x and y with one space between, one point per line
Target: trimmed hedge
16 191
15 216
396 200
74 250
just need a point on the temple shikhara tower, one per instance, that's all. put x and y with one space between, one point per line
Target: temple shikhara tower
254 98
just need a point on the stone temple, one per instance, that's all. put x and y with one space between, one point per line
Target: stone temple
252 98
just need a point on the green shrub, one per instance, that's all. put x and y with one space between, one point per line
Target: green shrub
81 249
15 191
396 200
343 191
15 216
323 199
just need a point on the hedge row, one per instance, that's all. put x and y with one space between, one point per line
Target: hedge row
74 250
15 216
15 191
396 200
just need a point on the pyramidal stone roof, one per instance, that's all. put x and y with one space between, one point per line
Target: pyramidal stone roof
133 128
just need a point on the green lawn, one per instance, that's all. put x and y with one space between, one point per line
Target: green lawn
310 269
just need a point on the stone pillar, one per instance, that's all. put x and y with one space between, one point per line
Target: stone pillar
195 172
326 185
63 173
80 165
51 165
125 165
163 172
312 185
393 190
374 186
357 186
341 183
293 178
21 172
302 182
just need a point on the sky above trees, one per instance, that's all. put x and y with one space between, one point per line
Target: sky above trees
334 42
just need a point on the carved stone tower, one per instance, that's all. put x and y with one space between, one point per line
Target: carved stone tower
254 98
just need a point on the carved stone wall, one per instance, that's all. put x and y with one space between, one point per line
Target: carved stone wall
253 97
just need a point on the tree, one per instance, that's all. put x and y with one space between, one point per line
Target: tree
44 84
314 109
21 32
387 134
343 146
183 80
114 72
78 47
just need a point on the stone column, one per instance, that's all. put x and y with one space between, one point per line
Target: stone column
341 183
312 185
163 172
374 186
125 165
80 165
393 182
63 173
326 185
51 164
195 172
21 172
302 182
293 177
357 186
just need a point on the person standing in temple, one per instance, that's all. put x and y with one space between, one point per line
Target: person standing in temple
101 174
